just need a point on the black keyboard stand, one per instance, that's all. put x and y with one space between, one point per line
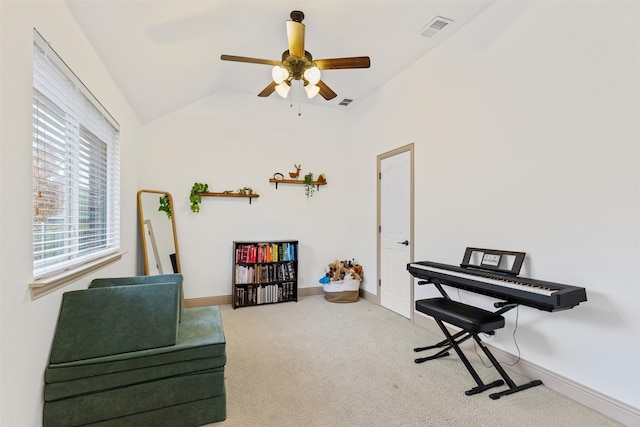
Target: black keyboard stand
472 321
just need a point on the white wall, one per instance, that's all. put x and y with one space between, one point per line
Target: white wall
526 131
27 326
230 141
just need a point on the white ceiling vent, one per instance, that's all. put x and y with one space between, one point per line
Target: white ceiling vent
436 25
346 102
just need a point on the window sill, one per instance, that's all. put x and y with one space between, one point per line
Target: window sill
49 284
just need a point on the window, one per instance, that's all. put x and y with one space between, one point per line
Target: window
76 171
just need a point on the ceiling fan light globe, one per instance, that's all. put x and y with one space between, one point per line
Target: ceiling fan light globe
312 75
279 74
312 90
283 89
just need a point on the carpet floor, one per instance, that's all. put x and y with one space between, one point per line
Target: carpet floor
316 363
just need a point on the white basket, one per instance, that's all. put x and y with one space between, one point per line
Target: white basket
348 284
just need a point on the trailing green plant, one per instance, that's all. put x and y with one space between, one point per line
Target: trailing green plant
309 188
195 197
165 205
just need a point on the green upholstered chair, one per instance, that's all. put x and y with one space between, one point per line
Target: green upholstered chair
125 353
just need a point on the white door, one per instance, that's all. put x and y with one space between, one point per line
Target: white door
395 206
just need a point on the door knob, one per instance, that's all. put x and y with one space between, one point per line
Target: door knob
406 243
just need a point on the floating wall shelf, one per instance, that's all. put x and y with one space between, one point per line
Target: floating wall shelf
246 196
297 181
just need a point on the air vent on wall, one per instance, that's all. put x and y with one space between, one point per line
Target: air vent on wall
436 25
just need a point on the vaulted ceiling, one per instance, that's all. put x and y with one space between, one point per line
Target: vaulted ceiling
165 55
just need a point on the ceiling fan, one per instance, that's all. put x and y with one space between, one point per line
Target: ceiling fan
298 64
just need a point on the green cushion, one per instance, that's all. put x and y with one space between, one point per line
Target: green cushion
141 280
196 413
65 389
138 398
136 280
107 321
200 336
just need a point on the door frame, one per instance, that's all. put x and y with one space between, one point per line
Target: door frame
409 147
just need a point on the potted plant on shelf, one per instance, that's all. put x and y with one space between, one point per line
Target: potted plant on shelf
195 197
245 191
309 187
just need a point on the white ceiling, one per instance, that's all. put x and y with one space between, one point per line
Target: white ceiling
165 55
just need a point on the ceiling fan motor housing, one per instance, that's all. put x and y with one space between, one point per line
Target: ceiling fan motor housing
296 65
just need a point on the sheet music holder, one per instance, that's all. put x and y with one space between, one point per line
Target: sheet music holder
506 262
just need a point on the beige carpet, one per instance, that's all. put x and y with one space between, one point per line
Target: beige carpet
316 363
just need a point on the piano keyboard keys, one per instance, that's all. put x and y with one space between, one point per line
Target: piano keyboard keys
540 294
505 283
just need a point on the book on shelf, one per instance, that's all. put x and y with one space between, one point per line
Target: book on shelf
264 294
265 252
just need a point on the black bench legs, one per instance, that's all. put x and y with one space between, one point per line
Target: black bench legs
472 321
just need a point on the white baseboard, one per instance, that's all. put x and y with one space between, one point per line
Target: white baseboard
619 411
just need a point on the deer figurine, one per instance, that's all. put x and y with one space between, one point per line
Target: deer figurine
295 174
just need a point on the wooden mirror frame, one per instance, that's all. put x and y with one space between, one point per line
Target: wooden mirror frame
143 237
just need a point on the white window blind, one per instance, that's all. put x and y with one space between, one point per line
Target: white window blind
76 169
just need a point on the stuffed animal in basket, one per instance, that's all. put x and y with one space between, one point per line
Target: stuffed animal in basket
339 269
356 272
336 271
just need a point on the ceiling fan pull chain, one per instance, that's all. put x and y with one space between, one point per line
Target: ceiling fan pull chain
291 100
299 90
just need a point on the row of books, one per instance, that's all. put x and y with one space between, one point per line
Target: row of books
266 252
254 294
265 273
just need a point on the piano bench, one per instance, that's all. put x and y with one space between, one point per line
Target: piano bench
472 321
464 316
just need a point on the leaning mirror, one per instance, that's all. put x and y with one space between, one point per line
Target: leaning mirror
158 232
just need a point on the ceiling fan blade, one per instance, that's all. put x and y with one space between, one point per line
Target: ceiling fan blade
268 90
295 35
343 63
325 91
249 60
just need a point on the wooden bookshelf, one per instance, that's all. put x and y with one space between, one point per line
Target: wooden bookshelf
246 196
264 272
